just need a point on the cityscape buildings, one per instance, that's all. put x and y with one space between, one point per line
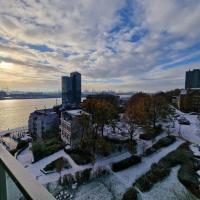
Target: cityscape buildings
192 79
70 128
43 123
71 89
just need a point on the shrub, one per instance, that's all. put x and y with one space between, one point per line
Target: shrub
154 175
130 194
151 133
46 147
22 144
186 174
188 177
123 164
80 157
103 147
83 176
52 166
118 145
163 142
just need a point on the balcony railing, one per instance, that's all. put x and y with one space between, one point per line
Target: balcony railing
16 183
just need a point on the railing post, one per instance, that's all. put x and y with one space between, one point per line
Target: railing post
3 189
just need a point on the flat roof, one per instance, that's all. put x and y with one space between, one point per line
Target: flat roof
76 112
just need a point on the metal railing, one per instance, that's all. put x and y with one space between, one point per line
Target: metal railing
16 183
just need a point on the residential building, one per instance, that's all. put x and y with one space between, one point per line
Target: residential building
70 128
71 89
43 123
192 79
175 101
190 101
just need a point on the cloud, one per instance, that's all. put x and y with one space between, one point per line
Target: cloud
126 45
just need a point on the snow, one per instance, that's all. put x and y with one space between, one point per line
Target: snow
26 156
93 191
46 178
35 168
190 132
129 175
169 188
195 149
112 158
198 172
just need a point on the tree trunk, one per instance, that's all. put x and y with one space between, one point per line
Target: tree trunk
102 126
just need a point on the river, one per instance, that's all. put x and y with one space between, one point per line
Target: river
15 112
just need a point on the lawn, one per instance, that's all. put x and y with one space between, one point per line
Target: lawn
187 173
46 147
58 163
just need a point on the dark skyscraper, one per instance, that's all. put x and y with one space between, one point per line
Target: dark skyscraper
71 89
66 91
76 87
192 79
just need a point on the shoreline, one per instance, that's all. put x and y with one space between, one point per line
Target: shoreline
23 98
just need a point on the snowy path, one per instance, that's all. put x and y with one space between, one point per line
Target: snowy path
128 176
169 188
189 132
46 178
26 156
111 159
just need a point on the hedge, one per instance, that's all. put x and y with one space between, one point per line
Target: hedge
151 133
123 164
130 194
163 142
79 156
187 173
46 147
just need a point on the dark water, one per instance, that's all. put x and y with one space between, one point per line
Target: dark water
14 113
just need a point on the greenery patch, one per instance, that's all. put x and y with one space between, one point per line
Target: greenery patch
163 142
130 194
187 173
58 163
123 164
46 147
80 157
151 133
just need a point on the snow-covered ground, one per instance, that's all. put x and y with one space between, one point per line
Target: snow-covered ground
93 191
46 178
195 149
117 183
168 189
35 168
129 175
26 156
190 132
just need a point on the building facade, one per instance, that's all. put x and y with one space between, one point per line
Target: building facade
190 101
43 123
192 79
71 89
70 128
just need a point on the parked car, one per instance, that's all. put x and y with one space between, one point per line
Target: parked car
184 121
176 115
193 113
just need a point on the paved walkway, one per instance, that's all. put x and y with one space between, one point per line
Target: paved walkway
128 176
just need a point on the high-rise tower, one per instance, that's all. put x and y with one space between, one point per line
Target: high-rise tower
71 89
192 79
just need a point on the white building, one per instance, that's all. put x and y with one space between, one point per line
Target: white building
43 123
70 129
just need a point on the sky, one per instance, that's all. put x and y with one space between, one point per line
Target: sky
121 45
